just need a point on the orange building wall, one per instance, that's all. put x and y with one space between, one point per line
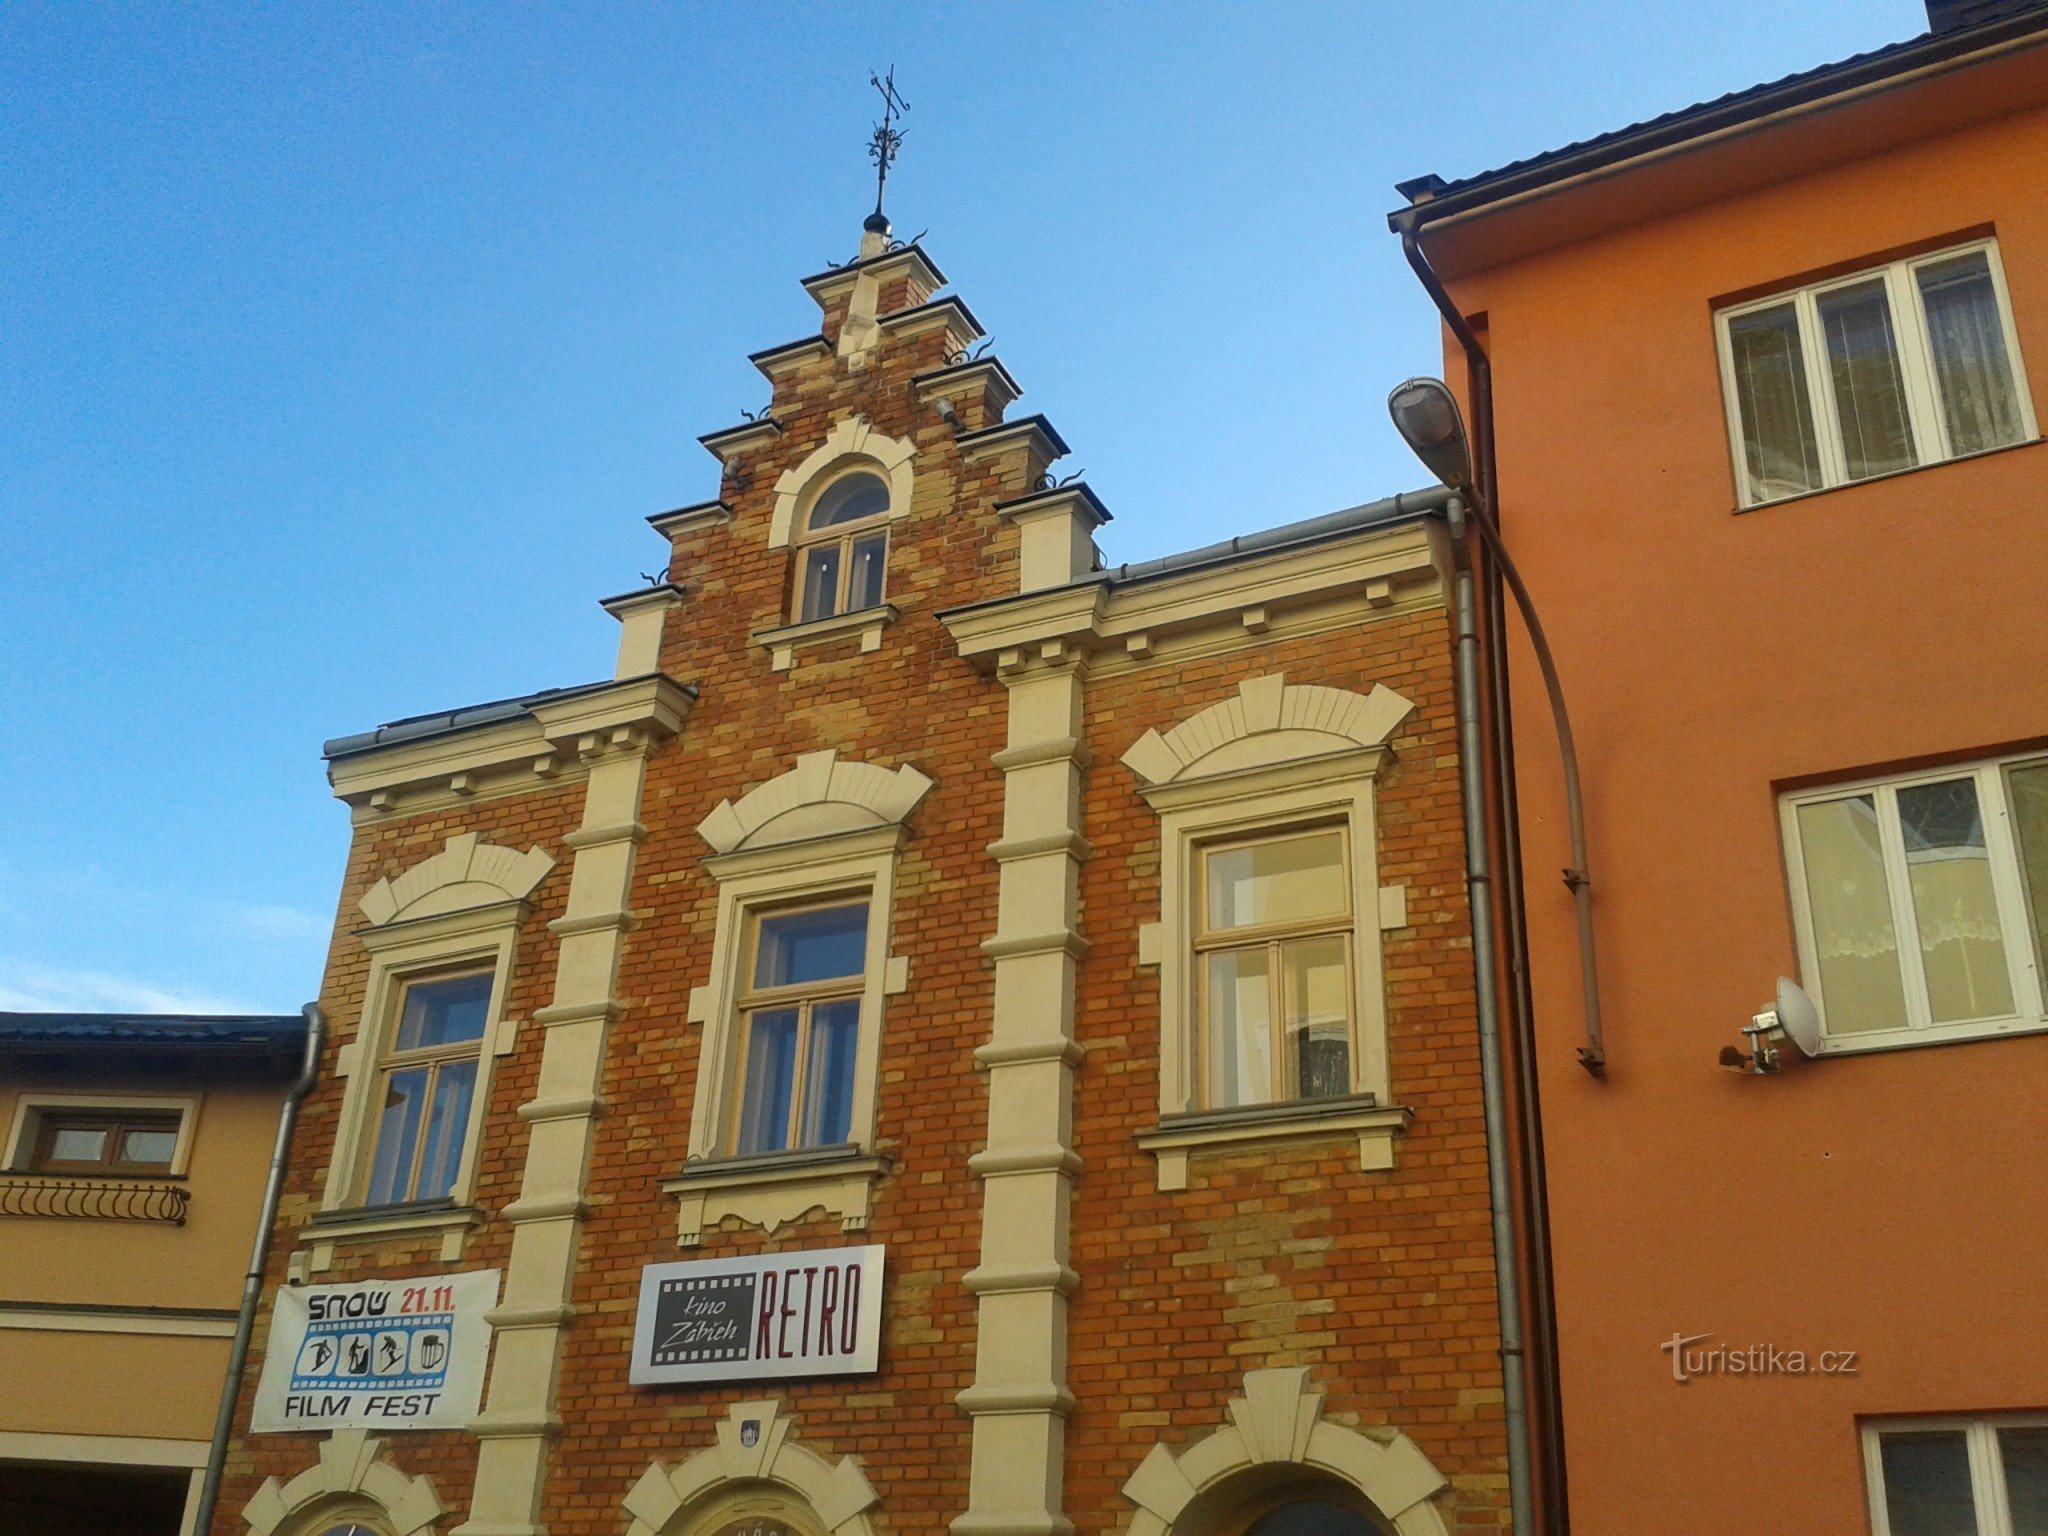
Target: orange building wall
1886 1203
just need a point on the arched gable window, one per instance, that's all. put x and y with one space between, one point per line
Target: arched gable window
843 548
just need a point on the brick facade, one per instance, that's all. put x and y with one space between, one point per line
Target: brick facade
1277 1255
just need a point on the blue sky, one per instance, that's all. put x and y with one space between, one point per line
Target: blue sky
343 348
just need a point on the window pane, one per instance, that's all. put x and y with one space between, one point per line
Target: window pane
78 1144
2024 1455
2028 787
1771 396
771 1078
151 1148
1927 1484
864 582
444 1012
821 583
398 1128
1870 394
447 1122
1317 983
1240 1029
812 946
1949 870
1853 936
849 500
1968 345
1282 881
828 1077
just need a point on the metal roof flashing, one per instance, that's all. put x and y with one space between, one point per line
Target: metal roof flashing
1434 202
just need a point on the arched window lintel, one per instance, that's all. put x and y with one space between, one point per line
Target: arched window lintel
1278 1420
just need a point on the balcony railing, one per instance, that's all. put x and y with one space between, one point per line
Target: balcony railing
90 1199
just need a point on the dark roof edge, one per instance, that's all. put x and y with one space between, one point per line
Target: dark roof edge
1874 70
448 721
1403 506
116 1040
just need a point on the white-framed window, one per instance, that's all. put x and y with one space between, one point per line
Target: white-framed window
1272 999
1272 936
420 1065
426 1086
842 552
794 1009
783 1122
796 1051
1957 1476
1900 365
1920 902
102 1135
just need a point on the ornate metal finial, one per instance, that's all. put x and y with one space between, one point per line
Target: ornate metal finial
886 140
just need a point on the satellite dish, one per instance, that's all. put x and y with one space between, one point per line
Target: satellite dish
1798 1018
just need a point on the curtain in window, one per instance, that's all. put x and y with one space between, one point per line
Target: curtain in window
1870 392
1968 344
1778 439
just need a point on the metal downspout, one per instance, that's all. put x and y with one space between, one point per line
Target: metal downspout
1499 1203
252 1283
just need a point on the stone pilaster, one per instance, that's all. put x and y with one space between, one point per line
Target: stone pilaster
1019 1398
519 1416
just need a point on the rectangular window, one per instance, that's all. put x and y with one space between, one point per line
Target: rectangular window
1906 364
426 1082
1273 963
107 1142
799 1028
1921 902
1958 1477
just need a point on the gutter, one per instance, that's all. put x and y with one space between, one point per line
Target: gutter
252 1283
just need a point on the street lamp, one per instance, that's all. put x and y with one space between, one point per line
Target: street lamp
1426 415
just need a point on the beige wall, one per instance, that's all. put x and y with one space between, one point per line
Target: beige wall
120 1371
115 1384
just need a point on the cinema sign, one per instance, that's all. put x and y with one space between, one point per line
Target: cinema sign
815 1313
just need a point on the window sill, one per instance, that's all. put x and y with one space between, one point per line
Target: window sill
389 1223
1917 1039
1180 1137
771 1191
1850 485
784 644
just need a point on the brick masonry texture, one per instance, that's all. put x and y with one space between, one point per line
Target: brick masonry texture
1380 1283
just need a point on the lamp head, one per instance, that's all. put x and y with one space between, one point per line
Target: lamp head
1426 415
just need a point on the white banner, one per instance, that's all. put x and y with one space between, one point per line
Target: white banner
377 1354
815 1313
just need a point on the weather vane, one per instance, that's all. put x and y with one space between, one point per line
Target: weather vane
887 138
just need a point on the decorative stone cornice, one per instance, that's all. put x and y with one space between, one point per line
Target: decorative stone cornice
950 314
905 261
775 362
984 376
701 514
728 443
1231 601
